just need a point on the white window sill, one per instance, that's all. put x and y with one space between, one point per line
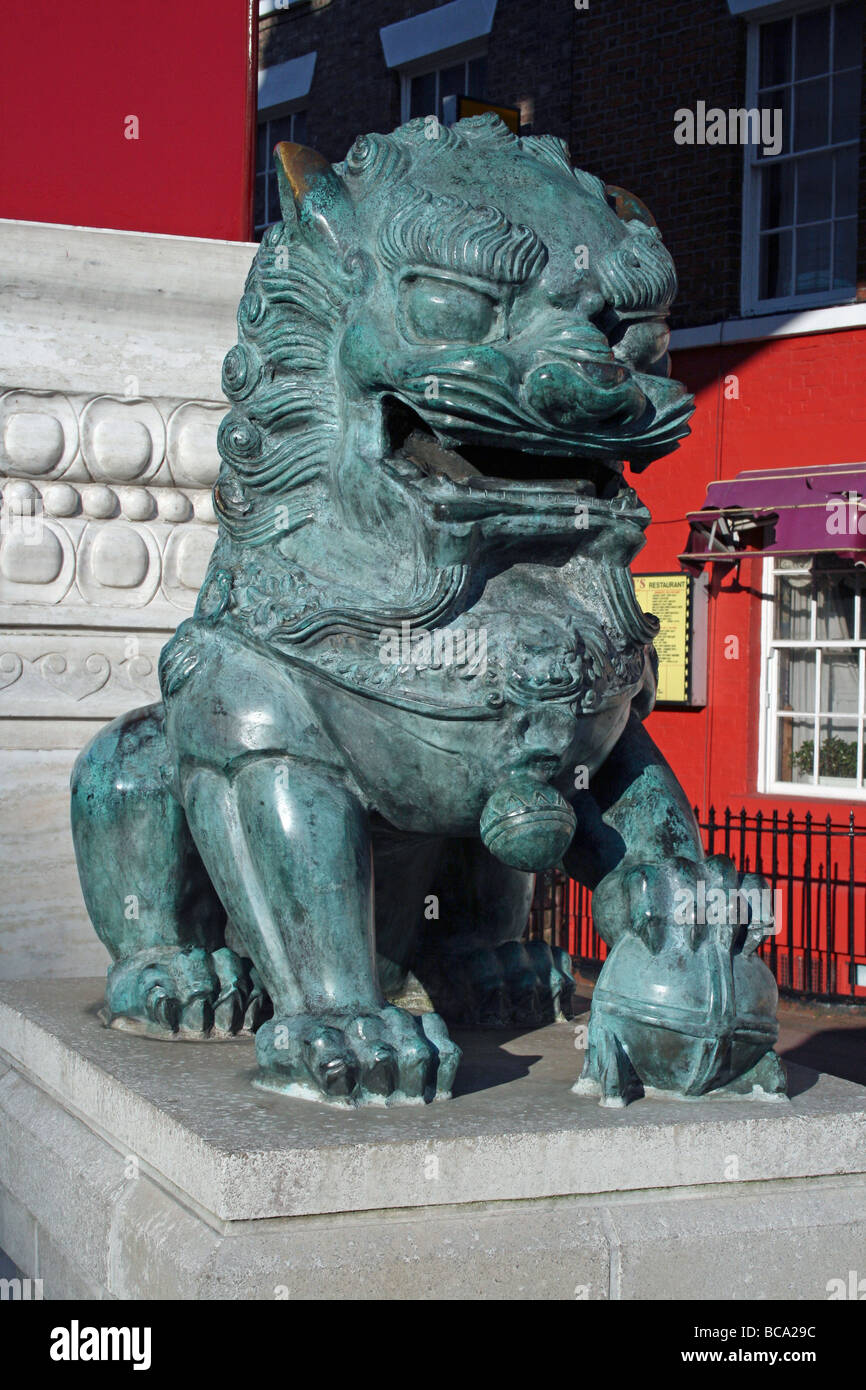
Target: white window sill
814 793
790 323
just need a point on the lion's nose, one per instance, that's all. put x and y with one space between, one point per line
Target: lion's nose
603 373
566 393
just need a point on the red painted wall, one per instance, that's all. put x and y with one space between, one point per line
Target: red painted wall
70 75
801 401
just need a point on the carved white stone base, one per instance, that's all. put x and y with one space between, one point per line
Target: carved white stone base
44 927
111 345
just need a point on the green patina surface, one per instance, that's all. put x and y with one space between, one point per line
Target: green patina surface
417 670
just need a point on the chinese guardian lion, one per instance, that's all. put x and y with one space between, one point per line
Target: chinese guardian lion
417 671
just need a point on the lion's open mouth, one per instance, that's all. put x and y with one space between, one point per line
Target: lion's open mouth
497 474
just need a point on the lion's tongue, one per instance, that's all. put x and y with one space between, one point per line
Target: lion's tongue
425 451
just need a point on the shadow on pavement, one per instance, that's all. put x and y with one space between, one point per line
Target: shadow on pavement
838 1051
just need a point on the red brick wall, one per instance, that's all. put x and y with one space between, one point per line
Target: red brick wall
608 79
353 91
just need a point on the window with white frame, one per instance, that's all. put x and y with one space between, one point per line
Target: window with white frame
800 204
424 92
815 677
266 200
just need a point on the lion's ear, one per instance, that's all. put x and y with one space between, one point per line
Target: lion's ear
312 195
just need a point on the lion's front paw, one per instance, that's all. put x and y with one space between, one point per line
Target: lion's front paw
683 898
191 994
382 1057
684 1004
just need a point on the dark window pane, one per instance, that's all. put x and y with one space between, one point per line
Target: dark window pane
259 214
834 596
273 199
777 195
775 53
452 81
299 128
775 276
777 99
837 751
811 112
813 258
281 129
845 254
422 100
813 43
847 45
261 146
846 182
814 188
793 608
846 106
797 681
796 756
477 80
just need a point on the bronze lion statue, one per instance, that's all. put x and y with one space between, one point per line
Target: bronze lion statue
417 670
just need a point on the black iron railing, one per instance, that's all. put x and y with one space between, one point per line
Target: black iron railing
818 866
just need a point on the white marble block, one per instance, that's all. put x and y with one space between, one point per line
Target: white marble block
111 346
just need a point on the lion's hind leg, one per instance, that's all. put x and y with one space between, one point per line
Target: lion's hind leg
471 957
148 895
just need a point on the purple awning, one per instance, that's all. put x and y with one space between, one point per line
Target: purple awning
781 511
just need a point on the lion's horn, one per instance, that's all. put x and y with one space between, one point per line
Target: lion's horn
627 206
311 193
301 166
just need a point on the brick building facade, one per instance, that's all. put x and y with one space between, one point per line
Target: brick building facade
608 79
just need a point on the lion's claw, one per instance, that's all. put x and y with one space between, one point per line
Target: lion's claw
381 1057
193 994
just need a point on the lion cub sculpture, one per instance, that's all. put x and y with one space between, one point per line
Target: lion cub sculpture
417 669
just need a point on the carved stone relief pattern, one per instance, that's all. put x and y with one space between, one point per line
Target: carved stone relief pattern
91 547
109 439
106 522
75 674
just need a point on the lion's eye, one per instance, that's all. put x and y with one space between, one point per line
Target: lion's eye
443 311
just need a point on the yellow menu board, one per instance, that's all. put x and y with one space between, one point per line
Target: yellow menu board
669 597
510 115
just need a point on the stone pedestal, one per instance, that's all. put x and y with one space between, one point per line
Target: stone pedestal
142 1169
110 398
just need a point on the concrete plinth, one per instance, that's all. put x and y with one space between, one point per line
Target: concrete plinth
141 1169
